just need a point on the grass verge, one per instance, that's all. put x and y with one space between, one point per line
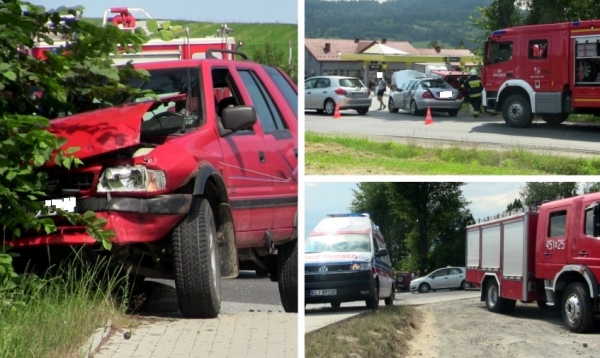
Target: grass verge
54 317
327 154
382 333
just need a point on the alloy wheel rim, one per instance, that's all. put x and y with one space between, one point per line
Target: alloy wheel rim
573 308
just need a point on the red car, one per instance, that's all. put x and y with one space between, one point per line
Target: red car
454 78
403 281
195 186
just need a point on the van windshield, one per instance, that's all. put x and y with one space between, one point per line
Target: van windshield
338 243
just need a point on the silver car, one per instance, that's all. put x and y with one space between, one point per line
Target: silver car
444 278
420 93
324 93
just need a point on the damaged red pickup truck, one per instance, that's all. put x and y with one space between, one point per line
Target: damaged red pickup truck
195 186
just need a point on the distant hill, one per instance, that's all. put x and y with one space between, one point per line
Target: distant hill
402 20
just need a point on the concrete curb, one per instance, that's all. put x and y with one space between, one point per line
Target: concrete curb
94 343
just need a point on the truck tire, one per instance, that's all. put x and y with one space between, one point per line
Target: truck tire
494 302
555 118
197 270
517 111
577 307
373 302
287 272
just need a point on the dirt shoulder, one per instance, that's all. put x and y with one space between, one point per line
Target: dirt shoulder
466 328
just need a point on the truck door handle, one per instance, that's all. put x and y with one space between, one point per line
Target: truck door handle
583 253
510 74
261 156
547 253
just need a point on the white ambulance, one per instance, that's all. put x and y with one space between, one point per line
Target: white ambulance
345 259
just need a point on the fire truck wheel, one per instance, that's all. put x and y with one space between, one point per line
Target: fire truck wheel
577 308
494 302
555 118
517 111
287 271
373 302
424 288
197 270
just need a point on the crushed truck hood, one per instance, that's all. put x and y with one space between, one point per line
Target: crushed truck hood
101 131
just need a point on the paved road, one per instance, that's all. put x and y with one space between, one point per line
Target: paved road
322 315
573 139
252 323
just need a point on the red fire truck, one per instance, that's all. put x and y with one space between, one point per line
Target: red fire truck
551 70
549 254
155 49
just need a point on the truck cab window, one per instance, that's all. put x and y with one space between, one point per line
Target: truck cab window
501 52
589 222
557 224
538 49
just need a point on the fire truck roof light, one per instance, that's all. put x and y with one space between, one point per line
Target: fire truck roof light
348 215
576 23
499 32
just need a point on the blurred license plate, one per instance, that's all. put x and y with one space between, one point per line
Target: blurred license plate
446 94
66 204
357 94
330 292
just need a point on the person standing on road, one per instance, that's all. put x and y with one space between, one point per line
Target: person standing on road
473 84
380 91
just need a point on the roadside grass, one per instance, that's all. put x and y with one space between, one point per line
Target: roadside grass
382 333
327 154
54 317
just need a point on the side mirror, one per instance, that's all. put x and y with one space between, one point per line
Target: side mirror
381 252
236 118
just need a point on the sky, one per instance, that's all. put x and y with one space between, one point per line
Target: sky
247 11
486 199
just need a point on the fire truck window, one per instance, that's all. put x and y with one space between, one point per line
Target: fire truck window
501 52
558 223
538 49
589 222
266 110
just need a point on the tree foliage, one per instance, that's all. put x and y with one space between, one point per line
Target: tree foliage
77 78
423 223
270 54
537 193
551 11
516 204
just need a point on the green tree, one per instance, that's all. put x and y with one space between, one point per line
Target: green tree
536 193
590 188
271 55
516 204
499 14
551 11
77 79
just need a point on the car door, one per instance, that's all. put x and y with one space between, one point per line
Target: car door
321 92
244 167
455 277
275 100
439 279
410 93
309 95
405 101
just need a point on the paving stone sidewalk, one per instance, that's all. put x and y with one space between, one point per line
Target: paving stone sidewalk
243 334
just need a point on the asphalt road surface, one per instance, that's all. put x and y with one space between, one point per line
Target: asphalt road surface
566 139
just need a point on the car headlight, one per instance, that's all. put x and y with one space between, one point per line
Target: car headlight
360 266
131 178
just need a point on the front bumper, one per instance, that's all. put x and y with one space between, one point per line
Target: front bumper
134 220
350 286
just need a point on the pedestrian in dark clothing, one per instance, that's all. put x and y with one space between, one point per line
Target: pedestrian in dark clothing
380 91
473 84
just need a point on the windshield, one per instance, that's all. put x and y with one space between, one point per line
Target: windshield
338 243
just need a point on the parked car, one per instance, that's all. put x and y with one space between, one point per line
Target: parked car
403 281
456 79
420 93
444 278
324 93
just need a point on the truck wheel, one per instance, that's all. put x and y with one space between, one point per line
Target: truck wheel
494 302
197 270
555 118
373 302
516 111
577 308
424 288
287 272
390 300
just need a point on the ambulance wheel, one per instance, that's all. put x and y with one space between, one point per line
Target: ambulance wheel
373 303
517 111
390 300
424 288
577 308
494 302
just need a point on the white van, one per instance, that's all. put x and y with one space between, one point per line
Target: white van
345 259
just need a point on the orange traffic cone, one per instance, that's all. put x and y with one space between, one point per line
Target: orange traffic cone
428 119
336 113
